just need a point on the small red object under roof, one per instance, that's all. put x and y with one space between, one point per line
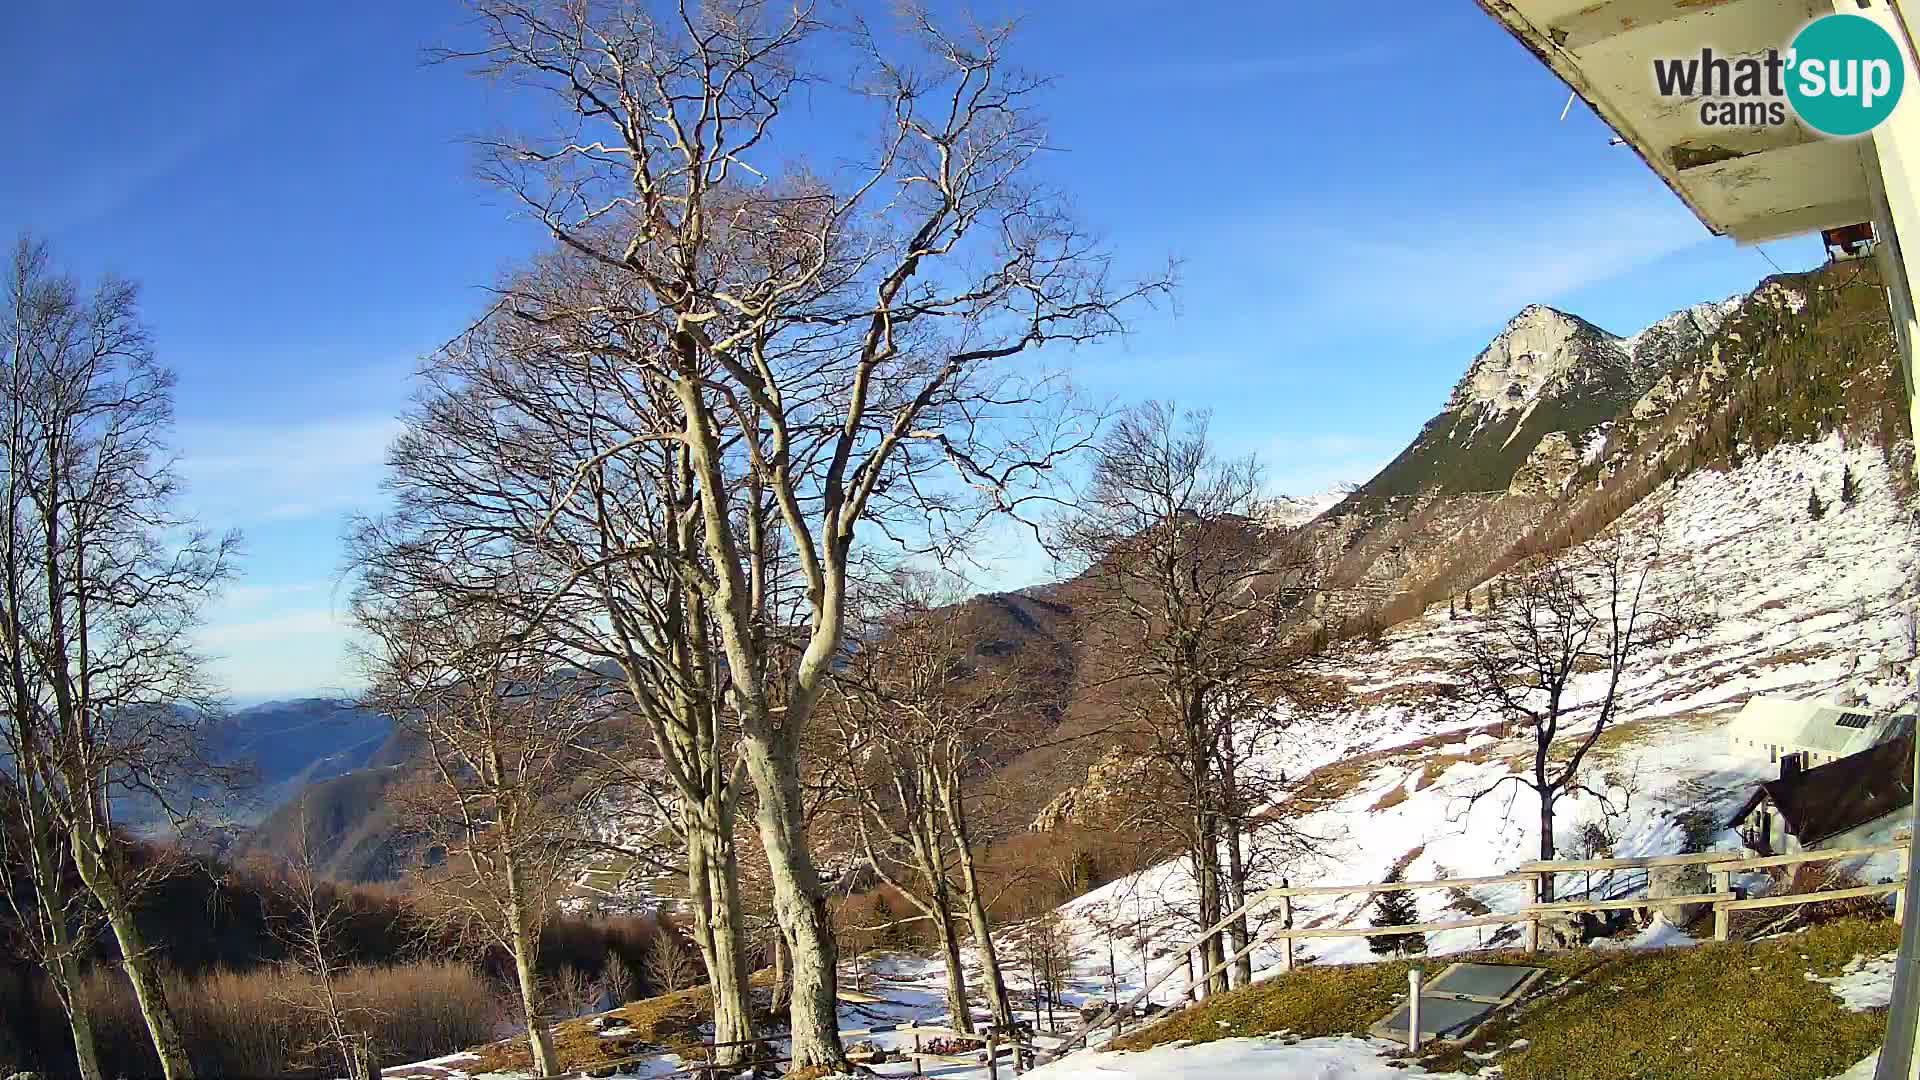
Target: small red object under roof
1848 241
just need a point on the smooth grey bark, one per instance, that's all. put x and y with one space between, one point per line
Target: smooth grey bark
713 882
86 1052
1239 933
999 1002
800 902
60 953
524 940
96 860
959 1012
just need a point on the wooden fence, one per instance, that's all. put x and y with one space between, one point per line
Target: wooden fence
1017 1049
1722 865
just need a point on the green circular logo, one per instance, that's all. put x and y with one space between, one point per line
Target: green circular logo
1846 74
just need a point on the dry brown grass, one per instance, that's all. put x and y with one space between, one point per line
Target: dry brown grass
245 1024
1394 797
1421 691
675 1023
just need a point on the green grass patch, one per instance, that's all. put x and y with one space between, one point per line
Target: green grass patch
1313 1001
1733 1011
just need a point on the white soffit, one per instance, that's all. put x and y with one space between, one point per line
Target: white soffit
1753 184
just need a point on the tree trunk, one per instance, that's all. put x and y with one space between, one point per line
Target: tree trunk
526 950
726 965
1237 897
713 887
86 1052
999 1003
539 1038
782 970
1546 844
800 902
959 1012
62 967
1206 870
92 858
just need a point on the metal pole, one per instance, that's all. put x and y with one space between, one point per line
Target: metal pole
1413 1010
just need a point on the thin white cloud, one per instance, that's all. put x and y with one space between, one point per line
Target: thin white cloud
299 623
280 472
316 446
238 598
1479 264
282 653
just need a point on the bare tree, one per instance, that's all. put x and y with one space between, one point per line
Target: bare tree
311 930
530 483
1554 642
668 964
829 340
1048 949
501 721
55 918
1202 615
100 587
919 715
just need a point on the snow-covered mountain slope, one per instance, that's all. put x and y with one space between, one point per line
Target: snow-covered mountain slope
1654 349
1795 606
1293 511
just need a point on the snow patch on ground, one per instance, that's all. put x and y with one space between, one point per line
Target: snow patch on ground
1866 983
1343 1058
1863 1070
1800 608
1659 934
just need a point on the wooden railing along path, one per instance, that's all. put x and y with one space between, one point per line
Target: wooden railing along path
1016 1048
1722 865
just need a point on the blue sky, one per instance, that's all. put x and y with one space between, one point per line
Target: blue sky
1359 198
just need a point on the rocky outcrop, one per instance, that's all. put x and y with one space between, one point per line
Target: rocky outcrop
1541 350
1111 789
1548 468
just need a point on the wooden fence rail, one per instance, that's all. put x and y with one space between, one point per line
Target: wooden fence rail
1722 865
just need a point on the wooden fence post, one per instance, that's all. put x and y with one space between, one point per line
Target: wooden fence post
1722 918
1531 936
1900 898
1286 923
993 1056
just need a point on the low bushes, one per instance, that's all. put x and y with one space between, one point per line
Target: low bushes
253 1023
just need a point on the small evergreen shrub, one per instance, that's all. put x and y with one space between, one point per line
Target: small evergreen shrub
1396 909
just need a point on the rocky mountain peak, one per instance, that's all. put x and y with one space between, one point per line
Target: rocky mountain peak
1540 348
1654 349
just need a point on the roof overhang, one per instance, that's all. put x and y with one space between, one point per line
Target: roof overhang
1750 183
